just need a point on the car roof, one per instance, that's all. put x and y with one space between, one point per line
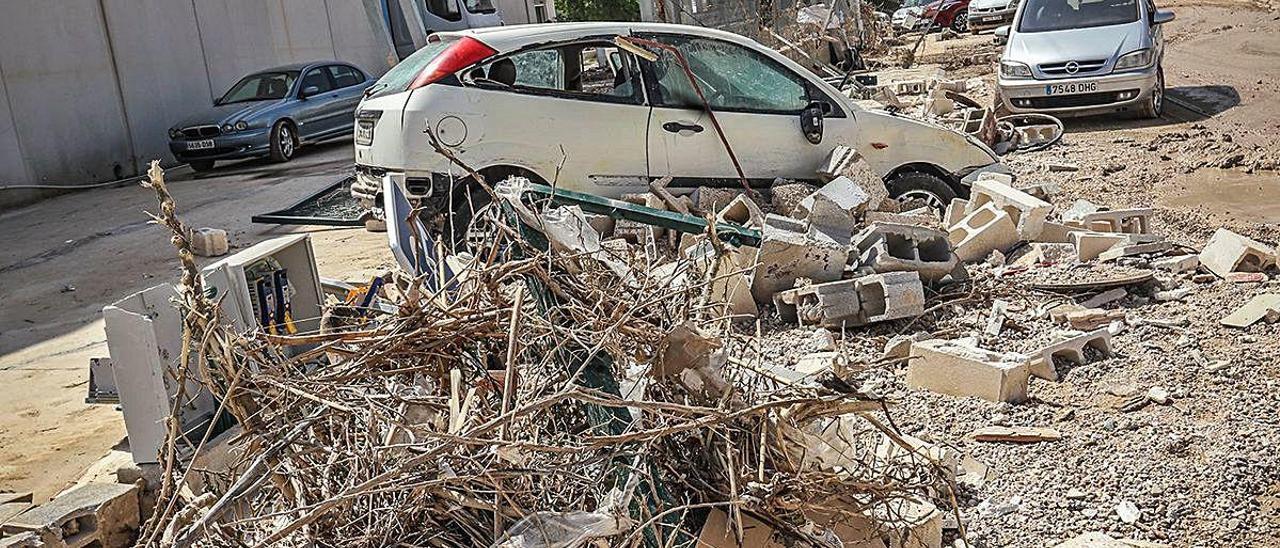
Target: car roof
299 66
507 38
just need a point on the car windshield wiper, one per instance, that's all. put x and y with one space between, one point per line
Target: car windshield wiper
374 88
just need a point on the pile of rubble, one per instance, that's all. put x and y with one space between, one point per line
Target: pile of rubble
617 372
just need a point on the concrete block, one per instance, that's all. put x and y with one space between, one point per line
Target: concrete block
900 218
209 242
949 367
1079 209
955 211
709 199
843 192
860 301
840 159
1089 245
1044 254
1262 307
979 233
787 195
1055 233
1071 349
1036 134
741 211
96 514
887 247
1177 264
787 254
637 232
1130 221
1228 252
1131 250
1028 212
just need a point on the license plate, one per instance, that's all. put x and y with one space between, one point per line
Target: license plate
1068 89
200 145
991 18
364 132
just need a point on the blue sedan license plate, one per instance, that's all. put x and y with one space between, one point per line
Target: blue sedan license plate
200 145
1068 89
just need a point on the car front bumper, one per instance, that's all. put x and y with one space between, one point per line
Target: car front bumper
244 144
1117 91
990 20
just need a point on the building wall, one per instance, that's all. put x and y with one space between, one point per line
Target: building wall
89 88
517 12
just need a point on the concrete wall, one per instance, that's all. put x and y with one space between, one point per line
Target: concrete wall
516 12
88 88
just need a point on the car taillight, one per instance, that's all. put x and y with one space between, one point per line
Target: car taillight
465 52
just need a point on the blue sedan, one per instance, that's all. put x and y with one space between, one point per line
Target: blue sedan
271 113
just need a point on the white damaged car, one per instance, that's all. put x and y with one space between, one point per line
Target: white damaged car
563 104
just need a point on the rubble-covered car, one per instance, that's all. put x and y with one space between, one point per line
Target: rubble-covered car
1080 58
564 104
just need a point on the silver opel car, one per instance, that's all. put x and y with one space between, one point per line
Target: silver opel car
1078 57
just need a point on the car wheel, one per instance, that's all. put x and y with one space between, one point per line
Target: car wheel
914 189
283 142
961 23
201 165
1154 107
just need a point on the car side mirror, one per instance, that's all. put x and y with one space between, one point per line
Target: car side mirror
811 122
309 91
1002 31
1161 17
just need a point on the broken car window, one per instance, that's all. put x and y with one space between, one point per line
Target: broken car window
577 70
731 77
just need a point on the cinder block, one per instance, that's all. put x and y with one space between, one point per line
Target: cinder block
840 159
955 211
1041 253
209 242
1177 264
1036 134
1228 252
1028 212
888 247
787 254
860 301
1089 245
709 199
900 218
1129 221
1130 250
786 195
1055 233
979 233
741 211
1092 318
95 514
1071 349
949 367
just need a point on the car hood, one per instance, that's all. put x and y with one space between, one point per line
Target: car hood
217 115
1058 46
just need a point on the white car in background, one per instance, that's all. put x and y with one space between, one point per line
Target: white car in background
561 103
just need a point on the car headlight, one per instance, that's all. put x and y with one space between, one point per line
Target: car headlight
174 134
241 126
226 128
1013 69
1138 59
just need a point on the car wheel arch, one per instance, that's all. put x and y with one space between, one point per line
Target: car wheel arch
931 169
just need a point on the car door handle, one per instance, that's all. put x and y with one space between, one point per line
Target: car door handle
677 127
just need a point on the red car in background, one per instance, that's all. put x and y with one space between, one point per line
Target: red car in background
953 14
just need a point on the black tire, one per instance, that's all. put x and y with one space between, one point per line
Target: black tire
1154 106
201 165
961 22
284 141
914 189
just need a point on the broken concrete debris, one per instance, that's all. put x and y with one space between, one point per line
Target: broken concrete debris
1078 349
209 242
982 231
1016 434
855 302
789 251
1228 252
951 367
1262 307
95 514
890 247
1027 212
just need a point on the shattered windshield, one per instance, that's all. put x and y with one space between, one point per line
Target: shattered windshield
1050 15
263 86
